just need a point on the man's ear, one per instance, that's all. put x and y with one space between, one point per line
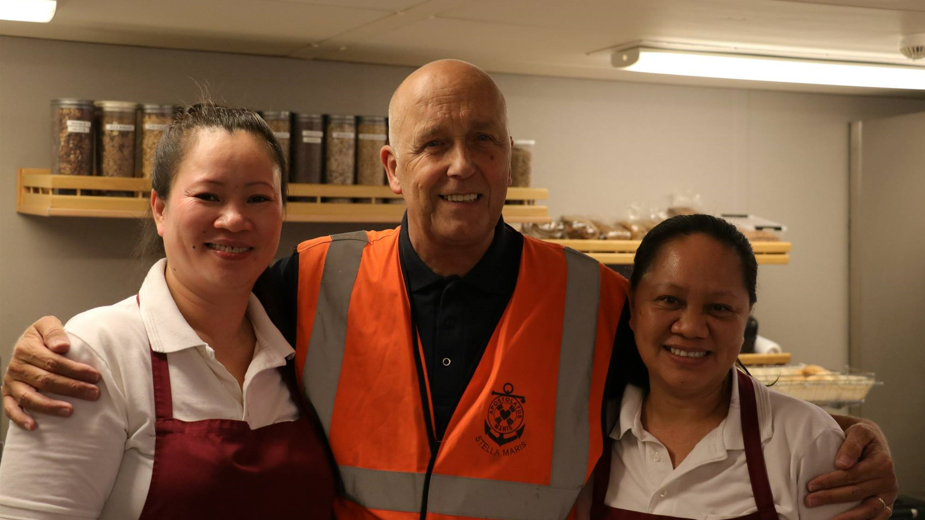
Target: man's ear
158 206
390 162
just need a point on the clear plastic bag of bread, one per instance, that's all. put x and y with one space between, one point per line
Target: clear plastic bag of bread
579 228
640 220
685 202
547 230
610 229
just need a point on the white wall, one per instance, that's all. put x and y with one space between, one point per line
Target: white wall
601 146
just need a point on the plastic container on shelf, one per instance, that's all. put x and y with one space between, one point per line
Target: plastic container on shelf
280 123
72 137
116 138
307 148
816 385
155 120
340 152
522 163
371 137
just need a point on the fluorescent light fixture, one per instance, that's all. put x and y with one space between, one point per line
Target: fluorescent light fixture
768 68
41 11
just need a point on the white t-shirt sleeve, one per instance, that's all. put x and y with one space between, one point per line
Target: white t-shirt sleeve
818 458
66 467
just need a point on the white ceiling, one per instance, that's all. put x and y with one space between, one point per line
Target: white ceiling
544 37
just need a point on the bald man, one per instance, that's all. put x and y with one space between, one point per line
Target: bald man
459 369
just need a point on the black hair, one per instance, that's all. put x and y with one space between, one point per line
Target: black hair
635 370
174 145
686 225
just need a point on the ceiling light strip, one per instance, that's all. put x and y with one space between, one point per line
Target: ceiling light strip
766 68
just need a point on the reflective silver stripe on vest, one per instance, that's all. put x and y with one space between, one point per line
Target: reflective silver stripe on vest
475 497
387 490
576 361
498 499
329 332
459 496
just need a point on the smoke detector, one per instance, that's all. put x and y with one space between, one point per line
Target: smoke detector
913 46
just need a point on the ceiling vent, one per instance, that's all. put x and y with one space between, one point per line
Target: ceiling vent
913 46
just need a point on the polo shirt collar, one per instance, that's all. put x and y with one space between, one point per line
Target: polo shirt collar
169 332
488 275
631 416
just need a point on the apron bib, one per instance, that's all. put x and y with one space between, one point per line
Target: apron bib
754 459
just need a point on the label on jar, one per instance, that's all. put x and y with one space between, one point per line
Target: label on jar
116 127
78 127
281 135
311 140
312 133
372 137
343 135
156 127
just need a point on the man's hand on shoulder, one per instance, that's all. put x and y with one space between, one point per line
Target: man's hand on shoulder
38 366
865 474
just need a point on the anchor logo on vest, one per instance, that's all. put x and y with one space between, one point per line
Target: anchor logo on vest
505 420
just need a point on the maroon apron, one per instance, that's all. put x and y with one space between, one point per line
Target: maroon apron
220 468
754 459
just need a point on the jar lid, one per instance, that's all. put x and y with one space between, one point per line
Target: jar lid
524 142
276 114
158 109
72 103
372 119
341 119
308 117
117 105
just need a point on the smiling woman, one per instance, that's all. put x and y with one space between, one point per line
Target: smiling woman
694 436
195 378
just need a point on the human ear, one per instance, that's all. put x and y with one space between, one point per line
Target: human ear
390 162
158 206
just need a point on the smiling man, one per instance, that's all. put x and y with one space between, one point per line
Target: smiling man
458 368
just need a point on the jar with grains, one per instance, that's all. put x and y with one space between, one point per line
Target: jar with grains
115 138
340 152
282 128
522 163
307 131
155 120
71 138
371 137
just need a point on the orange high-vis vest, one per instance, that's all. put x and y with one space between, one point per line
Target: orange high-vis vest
527 431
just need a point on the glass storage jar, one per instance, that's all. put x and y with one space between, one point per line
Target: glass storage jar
279 122
522 163
115 138
307 152
155 120
340 152
72 137
371 137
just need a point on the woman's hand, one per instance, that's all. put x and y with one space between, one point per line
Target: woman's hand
38 365
865 474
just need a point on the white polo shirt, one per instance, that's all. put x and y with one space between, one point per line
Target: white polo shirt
799 441
98 462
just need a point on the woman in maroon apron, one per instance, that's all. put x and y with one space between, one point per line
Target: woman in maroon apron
219 188
696 438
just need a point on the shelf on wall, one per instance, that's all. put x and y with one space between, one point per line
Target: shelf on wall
36 195
621 252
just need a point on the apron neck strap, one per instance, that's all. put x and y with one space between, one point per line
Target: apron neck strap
754 456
